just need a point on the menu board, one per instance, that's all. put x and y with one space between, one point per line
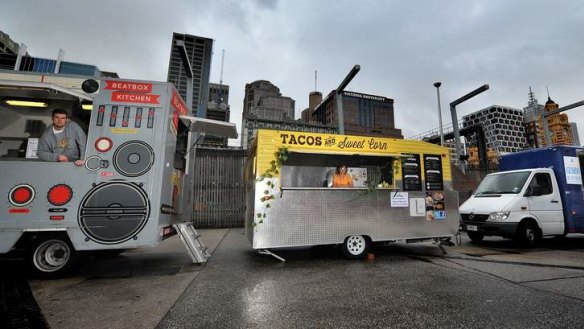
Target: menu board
411 173
433 172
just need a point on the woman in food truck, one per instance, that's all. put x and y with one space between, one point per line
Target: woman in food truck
342 178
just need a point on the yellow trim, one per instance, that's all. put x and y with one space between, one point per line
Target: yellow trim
268 142
124 131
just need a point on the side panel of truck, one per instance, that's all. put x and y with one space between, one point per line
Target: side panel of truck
129 187
295 207
568 176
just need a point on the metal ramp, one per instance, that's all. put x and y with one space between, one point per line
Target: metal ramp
191 239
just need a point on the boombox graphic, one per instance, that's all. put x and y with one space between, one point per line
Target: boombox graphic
135 183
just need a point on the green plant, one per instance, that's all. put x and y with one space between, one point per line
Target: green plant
397 164
281 155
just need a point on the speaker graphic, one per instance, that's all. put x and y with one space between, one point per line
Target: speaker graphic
133 158
114 212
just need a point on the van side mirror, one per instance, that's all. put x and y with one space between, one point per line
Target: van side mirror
533 191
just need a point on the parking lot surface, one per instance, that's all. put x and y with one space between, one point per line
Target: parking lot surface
493 284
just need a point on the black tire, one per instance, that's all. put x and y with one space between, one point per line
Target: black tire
476 237
528 234
51 256
355 246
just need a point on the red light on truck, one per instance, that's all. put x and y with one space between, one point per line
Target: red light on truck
60 194
57 217
21 195
103 144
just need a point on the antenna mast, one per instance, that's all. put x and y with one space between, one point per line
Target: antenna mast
222 59
315 77
220 88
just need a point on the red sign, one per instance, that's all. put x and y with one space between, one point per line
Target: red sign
137 87
123 97
178 103
179 106
18 210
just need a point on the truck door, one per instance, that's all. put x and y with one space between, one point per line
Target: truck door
547 207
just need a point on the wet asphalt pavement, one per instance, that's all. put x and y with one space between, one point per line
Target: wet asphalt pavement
317 288
495 284
18 307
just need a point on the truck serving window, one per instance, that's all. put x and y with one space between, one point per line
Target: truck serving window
21 128
182 147
505 183
312 170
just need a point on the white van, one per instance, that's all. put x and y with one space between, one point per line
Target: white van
544 198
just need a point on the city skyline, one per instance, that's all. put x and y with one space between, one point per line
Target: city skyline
403 48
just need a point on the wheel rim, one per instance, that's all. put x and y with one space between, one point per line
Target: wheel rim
51 255
356 244
529 234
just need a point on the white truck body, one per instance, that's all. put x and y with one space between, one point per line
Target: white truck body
542 196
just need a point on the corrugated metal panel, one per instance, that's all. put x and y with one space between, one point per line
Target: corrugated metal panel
219 188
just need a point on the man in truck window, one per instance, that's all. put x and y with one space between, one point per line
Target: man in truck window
63 141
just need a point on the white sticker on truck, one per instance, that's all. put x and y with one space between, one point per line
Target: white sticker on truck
572 169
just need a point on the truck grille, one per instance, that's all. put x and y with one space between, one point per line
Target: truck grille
475 217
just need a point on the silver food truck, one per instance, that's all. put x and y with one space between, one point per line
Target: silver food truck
402 190
135 187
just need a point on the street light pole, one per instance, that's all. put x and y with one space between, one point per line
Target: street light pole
455 118
339 95
437 85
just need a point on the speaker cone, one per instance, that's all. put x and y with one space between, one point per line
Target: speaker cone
133 158
115 212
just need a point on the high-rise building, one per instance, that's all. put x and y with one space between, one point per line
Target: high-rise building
265 107
575 134
199 52
531 113
363 114
314 98
533 110
7 45
263 100
218 109
502 126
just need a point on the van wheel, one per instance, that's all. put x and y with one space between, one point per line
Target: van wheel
528 234
355 247
475 236
51 256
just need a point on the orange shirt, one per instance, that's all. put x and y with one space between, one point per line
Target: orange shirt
342 180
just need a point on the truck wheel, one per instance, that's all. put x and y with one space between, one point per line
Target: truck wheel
355 247
527 234
51 256
475 236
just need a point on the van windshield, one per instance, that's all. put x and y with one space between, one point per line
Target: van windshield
505 183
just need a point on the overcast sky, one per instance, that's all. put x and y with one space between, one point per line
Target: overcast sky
403 47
